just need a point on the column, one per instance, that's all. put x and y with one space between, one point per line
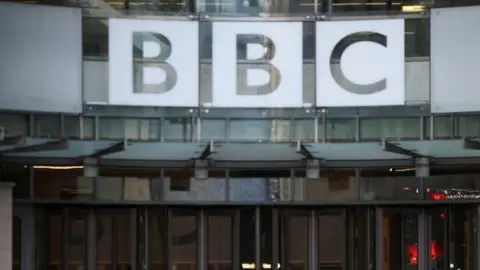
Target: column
6 220
90 170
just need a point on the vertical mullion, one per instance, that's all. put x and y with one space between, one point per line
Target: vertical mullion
345 253
258 239
65 236
476 240
168 239
62 125
91 243
275 238
369 239
312 241
236 240
422 241
114 228
201 240
379 238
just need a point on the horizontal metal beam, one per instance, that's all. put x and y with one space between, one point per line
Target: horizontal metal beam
470 144
57 145
396 149
111 149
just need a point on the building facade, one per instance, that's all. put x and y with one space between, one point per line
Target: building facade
236 135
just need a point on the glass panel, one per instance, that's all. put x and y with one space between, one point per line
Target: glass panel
105 247
128 184
338 129
390 128
247 237
294 248
184 240
135 129
179 185
390 184
51 184
361 233
437 229
77 220
14 123
467 126
453 183
178 129
46 125
463 233
342 7
48 234
260 130
443 127
76 128
157 225
253 185
450 3
331 241
333 185
219 242
417 37
167 7
17 243
95 37
304 129
258 8
400 233
213 129
20 175
126 238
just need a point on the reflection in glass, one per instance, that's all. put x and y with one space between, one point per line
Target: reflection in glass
20 175
400 233
105 246
126 238
451 186
178 129
79 127
337 129
437 224
183 229
14 123
375 6
124 184
168 7
247 235
417 37
467 126
443 127
333 185
47 125
219 242
463 232
390 128
48 234
256 7
69 185
213 129
95 36
304 129
294 248
390 184
157 225
130 128
76 239
331 241
260 130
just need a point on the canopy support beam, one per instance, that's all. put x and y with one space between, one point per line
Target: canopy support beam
111 149
302 150
470 144
396 149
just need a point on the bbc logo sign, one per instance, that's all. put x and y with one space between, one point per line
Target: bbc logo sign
255 64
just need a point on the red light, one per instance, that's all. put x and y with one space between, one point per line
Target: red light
442 215
438 196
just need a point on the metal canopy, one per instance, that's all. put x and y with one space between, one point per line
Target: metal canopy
243 155
56 145
13 140
111 149
398 149
471 144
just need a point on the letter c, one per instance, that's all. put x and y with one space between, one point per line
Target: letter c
339 76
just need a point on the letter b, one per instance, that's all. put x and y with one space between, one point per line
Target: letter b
243 87
150 54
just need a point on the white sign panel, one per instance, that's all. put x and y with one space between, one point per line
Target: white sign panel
371 63
153 63
455 59
257 64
